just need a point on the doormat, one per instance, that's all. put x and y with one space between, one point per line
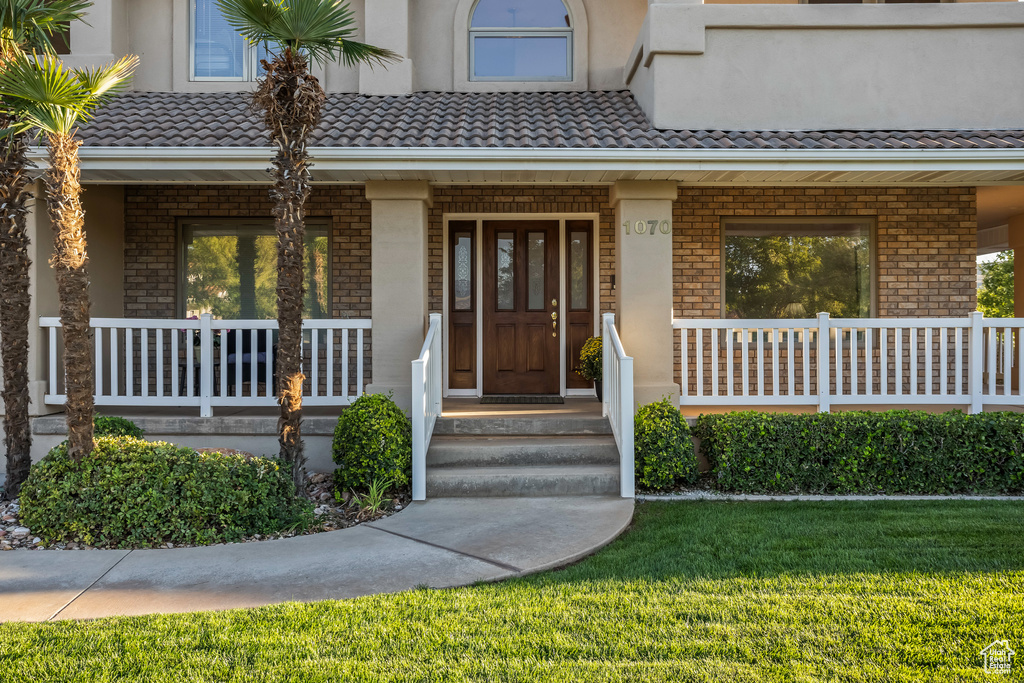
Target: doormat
520 399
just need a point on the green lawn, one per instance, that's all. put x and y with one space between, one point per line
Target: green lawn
701 591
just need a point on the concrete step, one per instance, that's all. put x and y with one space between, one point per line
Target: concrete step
498 451
523 481
487 425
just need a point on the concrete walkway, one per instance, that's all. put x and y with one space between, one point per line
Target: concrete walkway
440 543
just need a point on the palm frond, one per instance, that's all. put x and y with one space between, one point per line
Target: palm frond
321 29
41 93
27 25
103 82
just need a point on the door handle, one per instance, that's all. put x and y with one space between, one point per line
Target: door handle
554 324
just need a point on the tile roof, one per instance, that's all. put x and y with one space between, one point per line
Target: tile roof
550 120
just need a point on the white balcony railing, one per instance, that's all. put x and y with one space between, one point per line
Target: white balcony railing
617 402
426 403
208 363
819 362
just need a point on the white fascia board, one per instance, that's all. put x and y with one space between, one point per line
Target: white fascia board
448 159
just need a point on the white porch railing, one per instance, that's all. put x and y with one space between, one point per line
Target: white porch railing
207 363
820 362
427 382
617 402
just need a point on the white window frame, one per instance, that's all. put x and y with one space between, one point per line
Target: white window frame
579 48
250 69
532 32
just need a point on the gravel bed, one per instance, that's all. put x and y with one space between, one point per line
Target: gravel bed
330 514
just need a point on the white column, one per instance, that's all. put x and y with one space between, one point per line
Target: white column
387 26
43 289
643 284
398 261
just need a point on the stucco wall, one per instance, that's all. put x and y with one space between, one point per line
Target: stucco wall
104 211
158 31
883 67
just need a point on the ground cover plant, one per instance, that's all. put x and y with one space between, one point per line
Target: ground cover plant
894 452
695 591
110 425
128 492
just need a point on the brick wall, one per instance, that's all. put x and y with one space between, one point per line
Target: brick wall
925 243
152 214
554 199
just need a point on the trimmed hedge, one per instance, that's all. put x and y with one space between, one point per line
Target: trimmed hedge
663 449
129 492
895 452
373 441
109 425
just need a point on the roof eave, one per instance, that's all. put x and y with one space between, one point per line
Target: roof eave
239 164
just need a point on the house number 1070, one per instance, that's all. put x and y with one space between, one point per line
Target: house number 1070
643 227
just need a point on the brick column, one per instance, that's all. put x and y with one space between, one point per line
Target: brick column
643 284
398 282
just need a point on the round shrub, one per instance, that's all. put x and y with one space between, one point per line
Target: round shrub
109 425
373 441
664 451
129 492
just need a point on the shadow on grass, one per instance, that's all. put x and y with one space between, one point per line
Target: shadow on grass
712 539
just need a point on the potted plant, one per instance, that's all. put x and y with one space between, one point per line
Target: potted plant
592 363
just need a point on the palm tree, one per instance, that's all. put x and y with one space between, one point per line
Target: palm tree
40 93
290 100
24 25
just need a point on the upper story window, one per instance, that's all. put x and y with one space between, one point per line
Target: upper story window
520 40
218 52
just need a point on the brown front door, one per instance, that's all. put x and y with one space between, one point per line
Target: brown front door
520 290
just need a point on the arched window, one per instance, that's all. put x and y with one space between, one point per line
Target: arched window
520 40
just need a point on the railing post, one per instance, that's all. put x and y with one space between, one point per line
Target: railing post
436 365
419 438
976 359
627 457
607 320
53 360
205 365
824 404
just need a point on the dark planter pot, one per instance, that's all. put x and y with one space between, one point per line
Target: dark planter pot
597 388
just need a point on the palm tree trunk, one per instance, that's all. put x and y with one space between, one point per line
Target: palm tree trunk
291 100
64 203
15 270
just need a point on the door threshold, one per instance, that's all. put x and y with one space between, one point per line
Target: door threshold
528 399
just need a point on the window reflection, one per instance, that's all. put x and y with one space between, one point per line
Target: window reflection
506 271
